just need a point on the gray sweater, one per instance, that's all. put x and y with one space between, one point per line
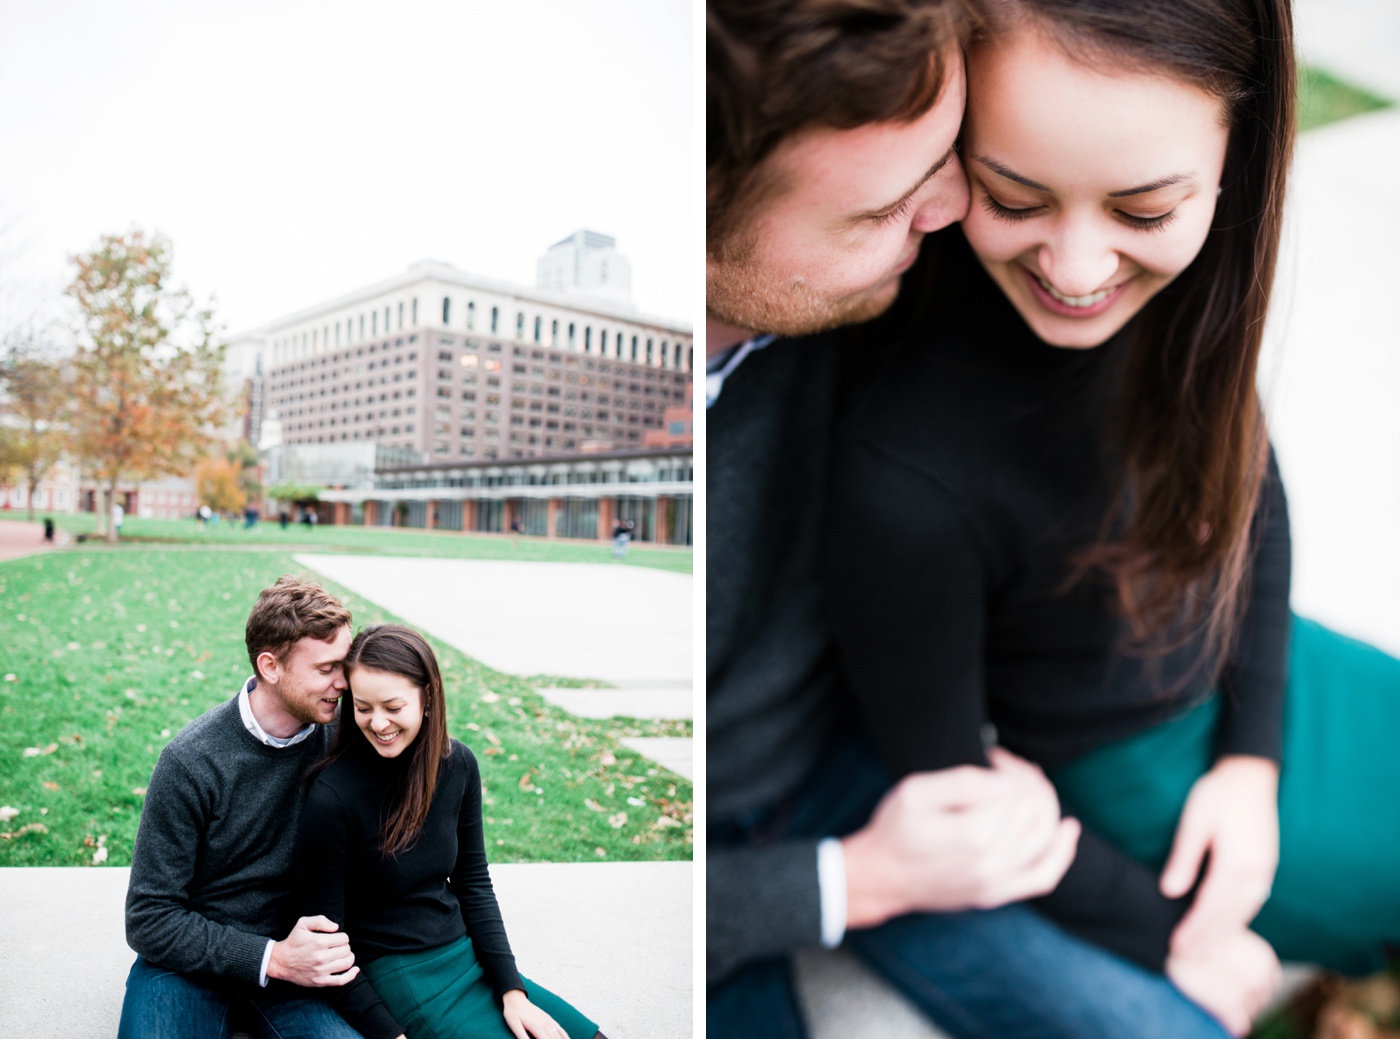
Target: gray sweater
211 873
772 683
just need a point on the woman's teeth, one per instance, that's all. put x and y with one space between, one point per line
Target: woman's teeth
387 738
1076 301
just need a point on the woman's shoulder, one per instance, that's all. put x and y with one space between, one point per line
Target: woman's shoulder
459 755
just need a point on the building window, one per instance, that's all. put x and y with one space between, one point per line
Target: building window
446 311
634 348
400 317
603 342
677 362
571 335
415 310
374 323
495 318
362 326
588 339
539 329
471 315
519 325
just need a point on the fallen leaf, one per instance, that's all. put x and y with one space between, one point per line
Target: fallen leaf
489 697
608 758
31 828
50 786
600 853
7 813
493 739
139 791
12 678
474 726
664 822
594 805
618 821
492 751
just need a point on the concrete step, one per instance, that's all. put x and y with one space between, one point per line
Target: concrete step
676 753
614 938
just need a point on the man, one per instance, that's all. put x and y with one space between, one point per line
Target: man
831 129
211 872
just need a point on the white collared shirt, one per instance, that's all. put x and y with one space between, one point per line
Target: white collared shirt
725 363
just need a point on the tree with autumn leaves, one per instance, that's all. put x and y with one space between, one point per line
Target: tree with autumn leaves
146 386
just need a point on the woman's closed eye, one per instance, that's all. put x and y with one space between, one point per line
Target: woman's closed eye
1014 213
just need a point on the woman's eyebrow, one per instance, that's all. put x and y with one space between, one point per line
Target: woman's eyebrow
1161 182
1003 170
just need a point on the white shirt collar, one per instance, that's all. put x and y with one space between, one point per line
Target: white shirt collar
250 721
726 363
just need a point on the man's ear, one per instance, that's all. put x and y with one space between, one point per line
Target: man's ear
269 667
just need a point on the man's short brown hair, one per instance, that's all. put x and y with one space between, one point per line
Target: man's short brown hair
774 67
294 608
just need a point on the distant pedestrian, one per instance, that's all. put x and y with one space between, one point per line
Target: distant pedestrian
250 518
622 535
284 518
48 530
118 514
517 526
204 513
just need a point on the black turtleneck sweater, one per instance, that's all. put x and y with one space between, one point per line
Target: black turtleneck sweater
966 475
427 896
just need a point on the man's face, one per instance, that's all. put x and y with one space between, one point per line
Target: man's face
846 221
311 678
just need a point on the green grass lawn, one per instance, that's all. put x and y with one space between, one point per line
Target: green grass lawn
106 654
1323 99
380 540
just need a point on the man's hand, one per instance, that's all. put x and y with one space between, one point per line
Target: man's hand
315 955
962 838
1231 977
1232 813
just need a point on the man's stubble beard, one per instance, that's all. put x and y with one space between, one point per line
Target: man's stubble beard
743 295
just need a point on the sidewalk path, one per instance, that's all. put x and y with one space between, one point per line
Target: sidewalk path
621 624
21 538
614 938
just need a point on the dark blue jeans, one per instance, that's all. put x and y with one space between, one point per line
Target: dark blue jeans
1000 974
161 1004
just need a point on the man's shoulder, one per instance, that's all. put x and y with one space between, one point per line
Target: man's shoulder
214 725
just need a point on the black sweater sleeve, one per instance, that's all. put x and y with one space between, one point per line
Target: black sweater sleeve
910 589
1254 679
471 884
324 839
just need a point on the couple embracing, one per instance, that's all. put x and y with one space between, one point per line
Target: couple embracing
359 841
1004 692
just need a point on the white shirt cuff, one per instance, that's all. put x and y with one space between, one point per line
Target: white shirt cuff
831 880
267 958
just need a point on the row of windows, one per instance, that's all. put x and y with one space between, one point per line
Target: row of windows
614 343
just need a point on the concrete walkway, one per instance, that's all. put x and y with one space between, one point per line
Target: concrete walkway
22 538
621 624
615 939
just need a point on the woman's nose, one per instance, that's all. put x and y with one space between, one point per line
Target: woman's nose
1078 261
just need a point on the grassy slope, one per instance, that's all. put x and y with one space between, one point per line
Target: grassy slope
112 651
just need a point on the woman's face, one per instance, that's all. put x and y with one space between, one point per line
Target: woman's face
1091 188
388 710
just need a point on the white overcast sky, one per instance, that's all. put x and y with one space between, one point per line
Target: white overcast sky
299 149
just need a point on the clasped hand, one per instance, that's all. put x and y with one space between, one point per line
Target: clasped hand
961 838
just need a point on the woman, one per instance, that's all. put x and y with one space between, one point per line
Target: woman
390 847
1056 510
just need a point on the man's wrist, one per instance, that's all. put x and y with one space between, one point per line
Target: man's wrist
831 883
266 960
868 901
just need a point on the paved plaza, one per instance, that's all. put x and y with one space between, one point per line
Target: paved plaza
614 938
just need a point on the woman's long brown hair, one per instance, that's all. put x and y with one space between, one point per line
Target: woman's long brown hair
393 649
1190 441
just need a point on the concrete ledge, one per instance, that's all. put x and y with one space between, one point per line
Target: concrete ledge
614 938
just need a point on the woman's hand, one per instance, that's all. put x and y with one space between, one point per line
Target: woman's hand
1232 813
527 1021
1231 978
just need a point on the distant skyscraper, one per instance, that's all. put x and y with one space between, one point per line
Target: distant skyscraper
586 263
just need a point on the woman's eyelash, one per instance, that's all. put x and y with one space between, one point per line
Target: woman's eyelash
1141 223
1001 212
1148 223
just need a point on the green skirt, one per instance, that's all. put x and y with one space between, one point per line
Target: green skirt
444 993
1336 896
